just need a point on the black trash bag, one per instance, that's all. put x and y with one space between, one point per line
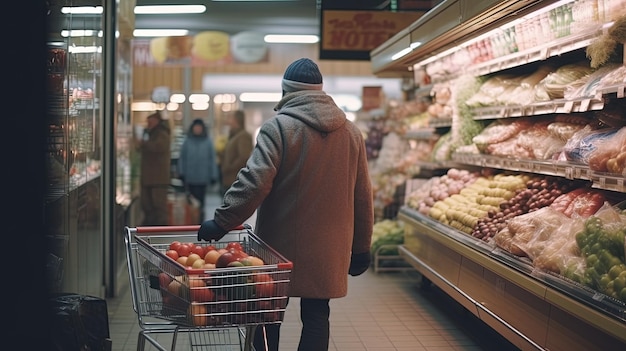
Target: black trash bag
80 323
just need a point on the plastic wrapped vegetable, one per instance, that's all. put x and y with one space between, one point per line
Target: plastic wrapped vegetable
582 144
610 154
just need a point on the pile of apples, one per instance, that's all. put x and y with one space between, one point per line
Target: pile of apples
195 256
221 296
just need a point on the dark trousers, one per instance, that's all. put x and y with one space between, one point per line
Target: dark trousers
315 334
154 204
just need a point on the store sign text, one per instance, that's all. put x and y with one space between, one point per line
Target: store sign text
362 30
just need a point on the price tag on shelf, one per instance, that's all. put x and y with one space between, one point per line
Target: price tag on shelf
568 107
584 105
577 172
544 54
620 184
620 92
569 173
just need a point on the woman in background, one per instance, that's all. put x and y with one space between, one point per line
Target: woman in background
197 163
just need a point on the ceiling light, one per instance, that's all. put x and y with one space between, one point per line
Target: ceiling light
401 53
168 9
260 97
80 33
225 99
177 98
198 98
84 49
160 32
82 10
200 106
291 39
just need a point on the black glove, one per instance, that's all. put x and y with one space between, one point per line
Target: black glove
359 263
210 230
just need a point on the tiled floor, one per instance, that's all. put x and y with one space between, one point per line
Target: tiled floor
385 311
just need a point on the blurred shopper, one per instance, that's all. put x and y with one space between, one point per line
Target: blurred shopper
197 164
155 170
308 177
237 150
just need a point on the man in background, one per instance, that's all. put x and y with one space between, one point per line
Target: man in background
155 170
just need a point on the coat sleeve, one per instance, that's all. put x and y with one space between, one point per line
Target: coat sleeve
253 183
363 206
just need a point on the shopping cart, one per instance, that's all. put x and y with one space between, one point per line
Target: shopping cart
219 308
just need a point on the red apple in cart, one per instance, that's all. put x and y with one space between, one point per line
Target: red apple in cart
164 280
234 246
226 258
199 292
198 249
264 285
184 250
173 254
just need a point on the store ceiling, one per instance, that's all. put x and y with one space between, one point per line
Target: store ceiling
232 17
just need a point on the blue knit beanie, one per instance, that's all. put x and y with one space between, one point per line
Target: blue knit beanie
302 74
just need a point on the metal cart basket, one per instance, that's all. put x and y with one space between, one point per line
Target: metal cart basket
219 308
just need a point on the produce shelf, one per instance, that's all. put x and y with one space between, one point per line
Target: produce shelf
538 108
614 182
485 269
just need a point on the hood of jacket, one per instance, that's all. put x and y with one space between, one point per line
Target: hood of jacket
314 108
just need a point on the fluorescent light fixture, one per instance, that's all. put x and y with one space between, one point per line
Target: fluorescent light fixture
144 106
291 39
401 53
177 98
260 97
168 9
199 98
85 49
415 45
74 33
81 10
225 99
200 106
160 32
172 106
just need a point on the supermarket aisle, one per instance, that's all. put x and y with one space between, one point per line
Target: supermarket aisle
389 311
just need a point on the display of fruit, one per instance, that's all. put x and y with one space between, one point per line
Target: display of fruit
439 188
387 232
540 191
462 211
602 246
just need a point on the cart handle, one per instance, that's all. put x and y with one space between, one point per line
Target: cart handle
176 228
